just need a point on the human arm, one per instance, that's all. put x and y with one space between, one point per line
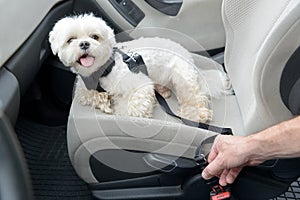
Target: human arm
230 154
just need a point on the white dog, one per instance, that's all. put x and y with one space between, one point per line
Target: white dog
86 44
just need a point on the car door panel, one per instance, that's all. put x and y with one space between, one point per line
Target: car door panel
25 17
9 95
27 60
196 21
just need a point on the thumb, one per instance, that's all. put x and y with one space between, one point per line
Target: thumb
212 169
206 175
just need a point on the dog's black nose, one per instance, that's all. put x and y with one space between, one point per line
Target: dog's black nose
84 45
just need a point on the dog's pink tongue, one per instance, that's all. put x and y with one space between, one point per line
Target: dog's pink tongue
87 61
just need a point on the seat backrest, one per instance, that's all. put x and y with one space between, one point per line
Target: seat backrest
261 35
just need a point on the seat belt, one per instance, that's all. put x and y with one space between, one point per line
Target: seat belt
164 105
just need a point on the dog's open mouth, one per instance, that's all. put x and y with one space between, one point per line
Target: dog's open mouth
86 60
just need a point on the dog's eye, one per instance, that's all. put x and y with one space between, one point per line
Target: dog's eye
70 40
95 37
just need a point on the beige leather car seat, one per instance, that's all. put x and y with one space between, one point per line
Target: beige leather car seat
261 35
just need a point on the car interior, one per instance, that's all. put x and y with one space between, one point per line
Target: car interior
51 147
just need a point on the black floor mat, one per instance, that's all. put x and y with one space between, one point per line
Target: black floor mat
52 174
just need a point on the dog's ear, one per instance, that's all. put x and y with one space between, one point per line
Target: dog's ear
106 30
111 35
53 42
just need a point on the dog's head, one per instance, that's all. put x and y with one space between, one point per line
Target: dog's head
83 42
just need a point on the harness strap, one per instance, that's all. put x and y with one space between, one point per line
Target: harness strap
92 81
163 103
134 62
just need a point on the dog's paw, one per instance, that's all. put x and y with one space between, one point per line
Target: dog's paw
205 115
141 102
103 102
95 99
196 114
163 91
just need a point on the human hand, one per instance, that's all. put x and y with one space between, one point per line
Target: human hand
229 154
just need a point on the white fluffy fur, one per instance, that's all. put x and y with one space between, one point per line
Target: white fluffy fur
169 65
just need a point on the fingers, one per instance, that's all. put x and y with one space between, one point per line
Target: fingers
213 169
210 170
225 160
212 155
223 179
206 174
219 168
215 149
233 174
228 176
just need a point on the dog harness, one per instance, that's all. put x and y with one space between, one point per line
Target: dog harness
134 62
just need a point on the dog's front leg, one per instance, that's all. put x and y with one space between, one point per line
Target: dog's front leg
141 101
194 105
95 99
191 91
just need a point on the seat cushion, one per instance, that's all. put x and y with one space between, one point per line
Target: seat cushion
90 130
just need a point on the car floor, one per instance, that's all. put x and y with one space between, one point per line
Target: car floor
52 175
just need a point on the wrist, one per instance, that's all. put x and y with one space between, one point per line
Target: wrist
255 148
266 144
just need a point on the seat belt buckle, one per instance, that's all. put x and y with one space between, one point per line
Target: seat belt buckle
219 193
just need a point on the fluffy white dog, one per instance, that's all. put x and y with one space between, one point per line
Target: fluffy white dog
86 44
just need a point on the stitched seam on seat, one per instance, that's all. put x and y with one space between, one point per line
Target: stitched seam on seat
272 28
266 61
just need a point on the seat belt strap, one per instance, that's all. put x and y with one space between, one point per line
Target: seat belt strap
163 103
